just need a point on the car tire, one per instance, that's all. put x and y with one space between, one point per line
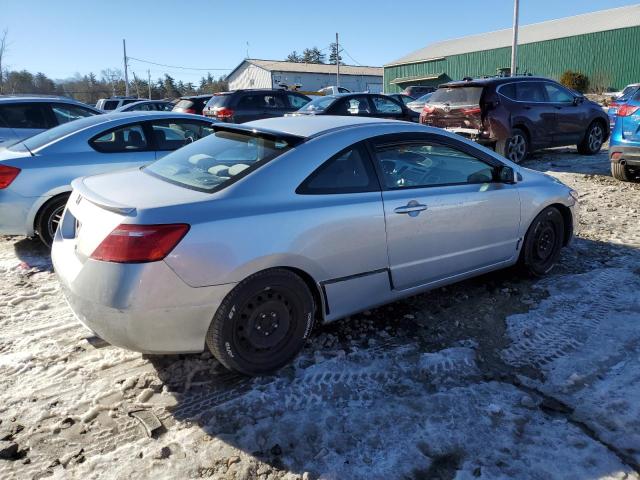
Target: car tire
49 217
593 139
543 242
622 172
263 323
516 147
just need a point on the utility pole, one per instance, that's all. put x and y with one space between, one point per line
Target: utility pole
337 61
126 74
149 82
514 45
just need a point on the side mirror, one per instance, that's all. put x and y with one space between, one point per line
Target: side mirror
578 100
506 174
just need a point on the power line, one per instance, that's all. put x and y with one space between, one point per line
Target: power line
352 59
176 66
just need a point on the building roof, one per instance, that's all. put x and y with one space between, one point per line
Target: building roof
280 66
612 19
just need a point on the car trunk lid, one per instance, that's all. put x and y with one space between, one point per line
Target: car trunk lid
100 203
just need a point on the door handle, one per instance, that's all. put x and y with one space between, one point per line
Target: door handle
412 208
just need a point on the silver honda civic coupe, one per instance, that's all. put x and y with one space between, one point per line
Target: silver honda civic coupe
241 241
36 173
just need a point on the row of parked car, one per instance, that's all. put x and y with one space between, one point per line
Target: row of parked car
152 215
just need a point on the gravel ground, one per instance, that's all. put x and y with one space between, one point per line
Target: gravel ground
496 377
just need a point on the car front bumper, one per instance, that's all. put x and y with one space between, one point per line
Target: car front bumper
143 307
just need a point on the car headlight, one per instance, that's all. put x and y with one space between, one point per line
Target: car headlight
573 194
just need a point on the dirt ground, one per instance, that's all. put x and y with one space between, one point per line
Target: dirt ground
496 377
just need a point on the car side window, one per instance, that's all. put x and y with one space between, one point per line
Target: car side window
530 92
349 171
250 101
67 113
25 115
386 105
353 106
296 101
558 94
273 101
173 134
508 90
429 164
164 107
130 138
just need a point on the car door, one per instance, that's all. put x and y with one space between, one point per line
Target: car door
25 119
534 111
571 119
118 148
170 134
445 213
386 107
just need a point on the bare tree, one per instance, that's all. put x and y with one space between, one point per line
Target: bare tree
3 49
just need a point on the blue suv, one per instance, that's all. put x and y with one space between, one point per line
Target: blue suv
624 147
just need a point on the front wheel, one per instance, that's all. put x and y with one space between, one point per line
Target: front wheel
593 139
543 242
49 218
514 148
263 323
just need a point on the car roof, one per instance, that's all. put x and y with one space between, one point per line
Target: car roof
482 82
39 98
310 125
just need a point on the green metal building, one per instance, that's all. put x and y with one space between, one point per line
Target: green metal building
603 45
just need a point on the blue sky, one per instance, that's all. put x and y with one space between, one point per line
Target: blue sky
63 37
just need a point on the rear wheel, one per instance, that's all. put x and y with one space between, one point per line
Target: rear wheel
514 148
593 139
262 323
623 172
49 218
543 242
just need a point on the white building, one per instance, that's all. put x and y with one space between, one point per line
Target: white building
253 73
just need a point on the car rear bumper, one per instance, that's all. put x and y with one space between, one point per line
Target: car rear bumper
143 307
14 212
627 154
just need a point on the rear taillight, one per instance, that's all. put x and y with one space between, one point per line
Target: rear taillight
627 110
471 111
428 109
7 175
189 110
140 243
224 112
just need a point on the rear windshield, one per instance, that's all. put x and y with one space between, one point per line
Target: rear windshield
627 93
457 96
110 105
318 105
217 101
217 160
41 139
184 104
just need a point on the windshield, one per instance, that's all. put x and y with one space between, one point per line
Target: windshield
318 105
457 96
212 163
56 133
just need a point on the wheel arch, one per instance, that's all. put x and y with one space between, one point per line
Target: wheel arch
567 218
43 205
316 291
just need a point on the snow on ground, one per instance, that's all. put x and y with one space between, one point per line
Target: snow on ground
496 377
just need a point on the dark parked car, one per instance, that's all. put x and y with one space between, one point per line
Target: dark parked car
192 104
147 106
517 115
359 104
241 106
416 91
